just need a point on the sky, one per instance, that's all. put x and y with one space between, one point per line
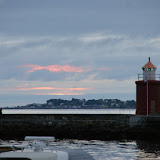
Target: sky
91 49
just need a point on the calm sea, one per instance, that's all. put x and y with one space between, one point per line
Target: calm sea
68 111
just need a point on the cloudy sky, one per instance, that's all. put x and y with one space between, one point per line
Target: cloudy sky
75 48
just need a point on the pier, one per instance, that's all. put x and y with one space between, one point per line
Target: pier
80 126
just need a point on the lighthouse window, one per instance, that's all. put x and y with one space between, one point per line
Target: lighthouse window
149 69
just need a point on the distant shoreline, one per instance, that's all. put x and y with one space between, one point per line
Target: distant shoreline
80 104
66 108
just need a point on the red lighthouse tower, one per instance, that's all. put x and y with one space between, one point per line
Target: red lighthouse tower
148 91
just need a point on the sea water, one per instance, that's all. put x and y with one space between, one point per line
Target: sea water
115 150
68 111
112 150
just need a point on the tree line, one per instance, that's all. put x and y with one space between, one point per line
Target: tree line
93 103
80 103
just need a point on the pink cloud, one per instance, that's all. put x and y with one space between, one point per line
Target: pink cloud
57 91
74 89
54 68
34 88
47 88
59 94
60 68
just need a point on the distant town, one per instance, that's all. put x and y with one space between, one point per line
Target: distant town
80 104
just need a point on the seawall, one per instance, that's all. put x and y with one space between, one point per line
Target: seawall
79 126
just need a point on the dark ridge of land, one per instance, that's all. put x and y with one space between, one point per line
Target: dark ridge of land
80 104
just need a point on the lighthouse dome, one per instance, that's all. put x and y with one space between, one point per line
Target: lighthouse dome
149 70
149 65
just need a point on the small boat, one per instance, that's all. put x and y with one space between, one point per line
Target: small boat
38 148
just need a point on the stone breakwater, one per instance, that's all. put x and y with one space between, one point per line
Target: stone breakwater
79 126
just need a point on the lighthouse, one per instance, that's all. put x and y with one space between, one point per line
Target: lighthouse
148 91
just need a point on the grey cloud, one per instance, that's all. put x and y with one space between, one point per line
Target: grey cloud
109 50
92 34
57 17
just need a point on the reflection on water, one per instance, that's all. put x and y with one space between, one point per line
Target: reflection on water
113 150
149 149
104 150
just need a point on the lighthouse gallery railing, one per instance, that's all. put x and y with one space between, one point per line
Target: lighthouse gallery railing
150 77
